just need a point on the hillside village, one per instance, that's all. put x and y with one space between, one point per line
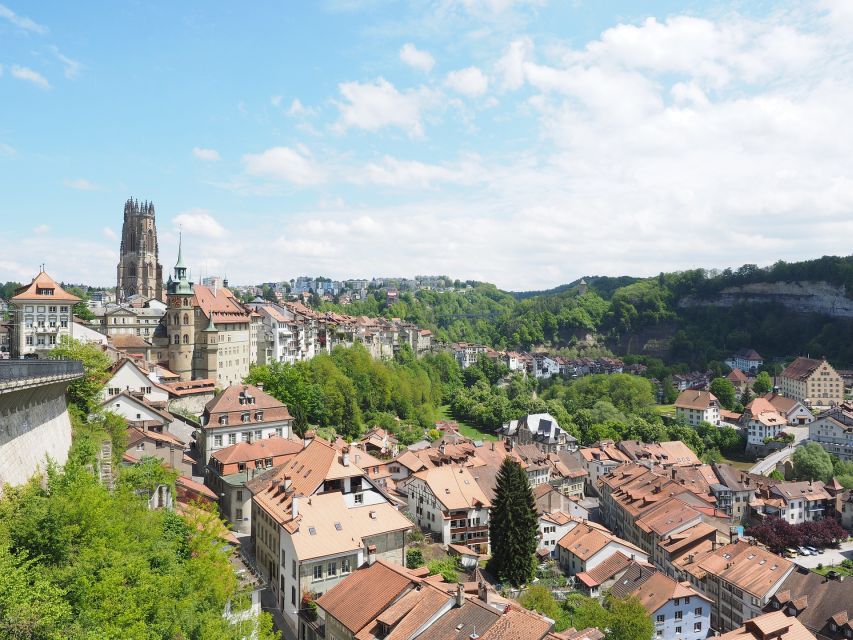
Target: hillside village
364 535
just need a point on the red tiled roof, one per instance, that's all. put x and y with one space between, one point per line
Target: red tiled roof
43 282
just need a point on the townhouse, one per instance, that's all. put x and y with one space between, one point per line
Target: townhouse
232 467
770 626
794 411
747 360
795 502
315 519
587 545
449 502
241 413
131 376
599 460
822 605
762 421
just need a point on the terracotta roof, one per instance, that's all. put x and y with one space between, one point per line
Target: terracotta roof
128 341
774 625
737 376
51 291
454 487
135 434
635 575
584 541
189 484
224 307
659 589
749 567
264 448
691 399
474 616
801 368
782 404
518 624
607 569
229 403
362 596
192 387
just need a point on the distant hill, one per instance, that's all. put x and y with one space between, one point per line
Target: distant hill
602 285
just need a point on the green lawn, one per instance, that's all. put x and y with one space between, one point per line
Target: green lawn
465 428
665 409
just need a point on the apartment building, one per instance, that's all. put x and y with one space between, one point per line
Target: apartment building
795 502
762 420
588 544
41 316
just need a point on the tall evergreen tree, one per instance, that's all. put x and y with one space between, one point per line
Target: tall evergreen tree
513 526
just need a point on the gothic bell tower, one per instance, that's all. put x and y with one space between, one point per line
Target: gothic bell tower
180 321
139 270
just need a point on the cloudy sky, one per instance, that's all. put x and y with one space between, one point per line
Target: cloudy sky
521 142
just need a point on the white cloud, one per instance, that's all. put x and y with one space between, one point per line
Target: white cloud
208 155
71 67
109 233
393 172
284 163
511 65
199 222
275 101
21 22
299 109
81 184
41 229
416 58
374 105
469 81
29 75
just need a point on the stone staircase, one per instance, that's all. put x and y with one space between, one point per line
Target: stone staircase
105 464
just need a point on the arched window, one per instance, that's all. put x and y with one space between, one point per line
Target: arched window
186 318
133 270
177 339
186 339
186 302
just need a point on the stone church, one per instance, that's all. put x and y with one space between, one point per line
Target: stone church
139 269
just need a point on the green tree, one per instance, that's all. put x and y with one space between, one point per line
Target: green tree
513 526
84 392
763 383
538 598
812 462
629 620
725 392
300 421
414 558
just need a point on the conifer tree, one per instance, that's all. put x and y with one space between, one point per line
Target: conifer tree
513 526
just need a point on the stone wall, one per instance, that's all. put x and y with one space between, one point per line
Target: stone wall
34 425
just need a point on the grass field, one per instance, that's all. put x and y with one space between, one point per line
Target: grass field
466 428
665 409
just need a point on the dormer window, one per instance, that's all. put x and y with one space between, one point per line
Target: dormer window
241 466
245 416
259 415
223 419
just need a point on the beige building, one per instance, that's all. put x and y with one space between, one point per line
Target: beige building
833 430
41 315
813 382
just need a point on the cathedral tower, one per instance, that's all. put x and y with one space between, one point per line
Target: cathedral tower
139 269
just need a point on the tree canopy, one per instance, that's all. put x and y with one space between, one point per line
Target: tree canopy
513 527
812 462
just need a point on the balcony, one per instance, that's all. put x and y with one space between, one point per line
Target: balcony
482 529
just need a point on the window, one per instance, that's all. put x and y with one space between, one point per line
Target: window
345 567
697 626
293 569
239 513
293 595
186 339
278 431
697 611
241 466
30 340
240 496
245 416
660 618
283 564
232 438
223 419
247 436
318 572
359 498
332 569
258 434
217 441
678 630
678 615
259 415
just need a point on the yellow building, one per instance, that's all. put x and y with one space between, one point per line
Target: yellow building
812 382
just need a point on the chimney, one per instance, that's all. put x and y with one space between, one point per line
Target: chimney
371 555
460 594
482 592
673 473
441 448
294 506
345 457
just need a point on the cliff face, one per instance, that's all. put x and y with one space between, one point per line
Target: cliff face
802 297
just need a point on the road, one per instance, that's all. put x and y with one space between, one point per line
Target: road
829 557
765 466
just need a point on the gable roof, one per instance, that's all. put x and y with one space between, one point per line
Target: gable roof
801 368
362 596
749 567
774 625
518 624
659 589
827 599
692 399
264 448
229 402
43 287
454 487
584 541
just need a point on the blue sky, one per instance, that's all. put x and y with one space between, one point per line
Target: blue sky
523 142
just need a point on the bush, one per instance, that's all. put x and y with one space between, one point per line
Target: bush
414 558
448 568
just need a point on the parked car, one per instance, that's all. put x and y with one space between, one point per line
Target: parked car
813 550
803 551
790 553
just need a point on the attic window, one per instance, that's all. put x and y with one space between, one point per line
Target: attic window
223 419
312 531
259 415
338 526
245 416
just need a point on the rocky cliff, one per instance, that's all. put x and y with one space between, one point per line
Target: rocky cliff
802 297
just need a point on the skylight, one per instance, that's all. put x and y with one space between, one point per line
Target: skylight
312 531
